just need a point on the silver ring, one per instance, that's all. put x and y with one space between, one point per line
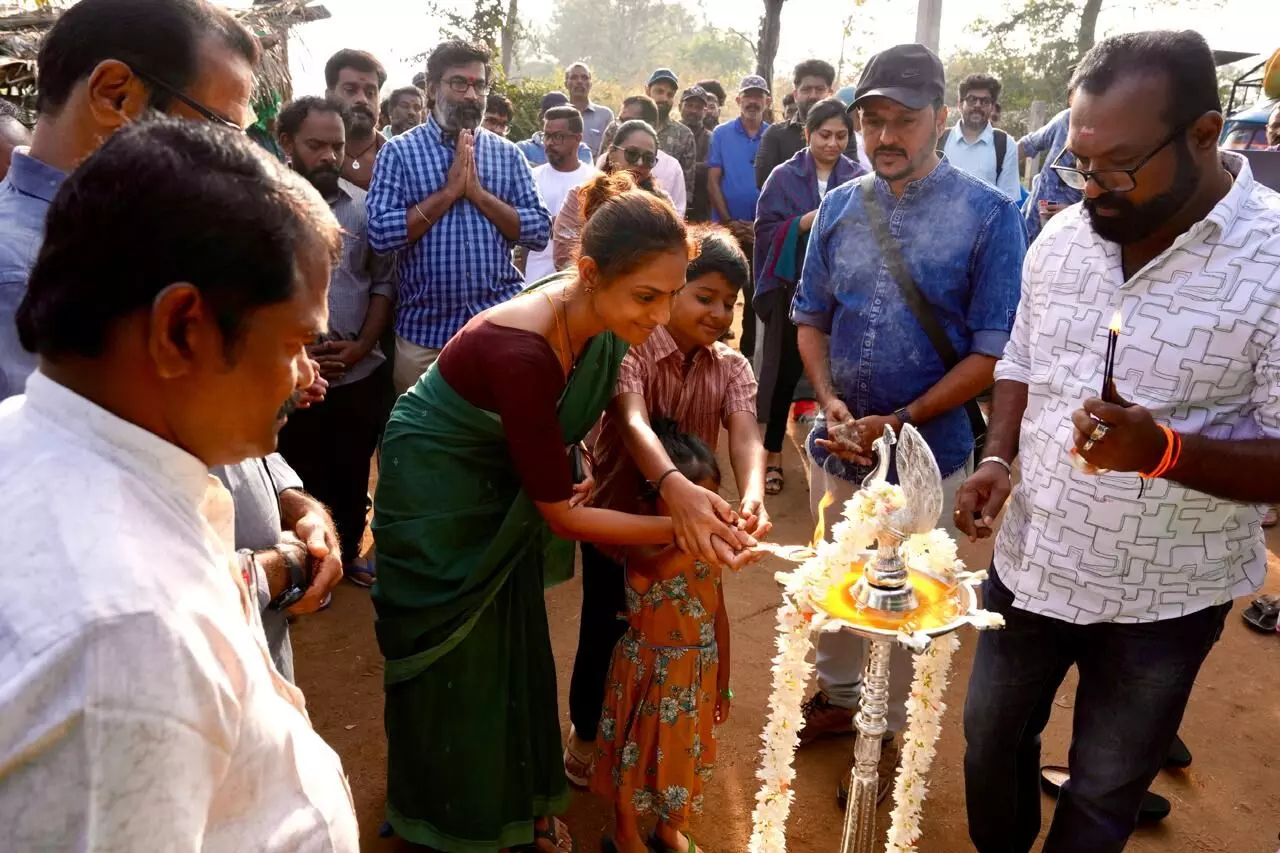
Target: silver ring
1099 432
1088 445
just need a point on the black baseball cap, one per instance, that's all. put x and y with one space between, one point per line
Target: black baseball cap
910 74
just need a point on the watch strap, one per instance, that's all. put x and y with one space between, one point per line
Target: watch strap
904 416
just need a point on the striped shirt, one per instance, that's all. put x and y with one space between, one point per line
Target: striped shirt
358 276
718 384
462 264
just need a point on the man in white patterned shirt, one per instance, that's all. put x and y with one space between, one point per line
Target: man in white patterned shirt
1126 577
139 708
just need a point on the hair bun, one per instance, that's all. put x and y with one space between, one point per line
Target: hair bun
595 193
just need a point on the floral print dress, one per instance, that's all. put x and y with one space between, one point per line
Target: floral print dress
656 746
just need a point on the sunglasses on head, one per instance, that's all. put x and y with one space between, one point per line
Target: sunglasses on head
638 156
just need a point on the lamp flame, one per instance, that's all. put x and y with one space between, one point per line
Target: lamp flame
820 532
1117 323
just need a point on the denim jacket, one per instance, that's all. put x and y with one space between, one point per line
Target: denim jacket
963 242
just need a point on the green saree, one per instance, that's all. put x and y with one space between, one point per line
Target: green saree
473 727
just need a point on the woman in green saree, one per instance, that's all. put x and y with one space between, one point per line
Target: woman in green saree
473 515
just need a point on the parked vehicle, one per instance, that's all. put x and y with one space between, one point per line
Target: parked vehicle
1253 97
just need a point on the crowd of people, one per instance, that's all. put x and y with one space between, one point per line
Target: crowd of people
208 337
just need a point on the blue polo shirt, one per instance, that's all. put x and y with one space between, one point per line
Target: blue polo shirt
734 151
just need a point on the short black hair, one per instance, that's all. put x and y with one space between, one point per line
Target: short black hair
788 99
1183 58
499 105
981 82
713 87
815 68
825 110
215 210
296 111
718 251
360 60
648 109
161 38
691 456
455 52
569 114
403 92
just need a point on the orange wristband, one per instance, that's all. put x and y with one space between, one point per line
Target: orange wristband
1172 450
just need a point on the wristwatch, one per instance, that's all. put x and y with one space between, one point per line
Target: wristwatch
903 416
298 580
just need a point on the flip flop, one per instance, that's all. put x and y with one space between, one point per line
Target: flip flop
573 763
1263 614
654 843
1154 808
361 572
773 480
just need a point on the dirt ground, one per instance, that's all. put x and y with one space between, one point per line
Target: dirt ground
1228 801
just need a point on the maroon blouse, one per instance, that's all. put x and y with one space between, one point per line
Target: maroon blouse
515 374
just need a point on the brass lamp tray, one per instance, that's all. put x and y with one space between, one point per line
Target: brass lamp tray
941 609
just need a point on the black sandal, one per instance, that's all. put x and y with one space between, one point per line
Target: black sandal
1154 808
773 480
1263 614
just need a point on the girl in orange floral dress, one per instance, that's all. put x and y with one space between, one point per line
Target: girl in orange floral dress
669 682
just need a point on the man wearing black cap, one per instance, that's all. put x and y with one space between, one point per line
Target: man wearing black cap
693 108
673 137
534 148
916 227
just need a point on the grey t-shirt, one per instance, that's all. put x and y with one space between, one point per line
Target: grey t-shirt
255 486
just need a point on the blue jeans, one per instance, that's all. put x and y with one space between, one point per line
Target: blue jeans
1134 683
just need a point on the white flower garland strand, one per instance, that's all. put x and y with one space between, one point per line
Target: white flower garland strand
919 743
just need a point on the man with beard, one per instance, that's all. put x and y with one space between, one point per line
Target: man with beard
813 80
354 78
731 182
534 149
595 118
716 97
673 137
563 172
1181 247
453 203
975 144
693 108
949 239
198 64
404 109
141 709
361 302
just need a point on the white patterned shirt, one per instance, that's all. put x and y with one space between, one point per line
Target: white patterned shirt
139 709
1200 348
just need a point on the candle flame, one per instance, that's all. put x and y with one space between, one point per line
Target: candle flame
1116 323
820 532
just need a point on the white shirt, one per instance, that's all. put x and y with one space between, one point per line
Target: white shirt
670 179
978 158
1200 348
138 707
554 186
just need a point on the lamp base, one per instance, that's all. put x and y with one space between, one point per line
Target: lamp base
897 600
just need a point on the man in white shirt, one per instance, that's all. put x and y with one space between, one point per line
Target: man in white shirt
563 172
139 709
975 145
1136 521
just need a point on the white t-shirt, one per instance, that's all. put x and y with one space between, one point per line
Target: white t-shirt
554 186
822 186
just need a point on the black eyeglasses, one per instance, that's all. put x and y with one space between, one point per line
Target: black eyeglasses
975 101
558 137
1111 180
638 156
200 109
459 85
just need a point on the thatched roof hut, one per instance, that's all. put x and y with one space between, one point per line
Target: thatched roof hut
270 21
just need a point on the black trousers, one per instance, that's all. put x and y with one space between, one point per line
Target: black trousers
781 343
747 346
602 625
330 446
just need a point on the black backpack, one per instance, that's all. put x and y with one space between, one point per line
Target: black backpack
1002 147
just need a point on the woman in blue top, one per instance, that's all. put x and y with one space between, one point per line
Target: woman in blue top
786 211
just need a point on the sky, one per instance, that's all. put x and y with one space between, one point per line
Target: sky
396 30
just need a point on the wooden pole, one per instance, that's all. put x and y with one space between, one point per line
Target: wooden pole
1036 118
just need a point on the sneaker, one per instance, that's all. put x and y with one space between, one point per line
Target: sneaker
886 772
821 719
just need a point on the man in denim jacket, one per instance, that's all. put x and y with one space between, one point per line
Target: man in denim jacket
870 361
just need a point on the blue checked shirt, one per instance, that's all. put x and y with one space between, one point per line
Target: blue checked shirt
462 264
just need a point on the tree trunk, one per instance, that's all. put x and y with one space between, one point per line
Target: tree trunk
509 38
1088 32
770 31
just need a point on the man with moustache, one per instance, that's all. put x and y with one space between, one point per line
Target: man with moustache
693 108
534 149
1181 241
361 303
813 80
716 98
731 182
975 144
595 117
562 130
453 203
141 709
868 355
405 107
354 78
192 60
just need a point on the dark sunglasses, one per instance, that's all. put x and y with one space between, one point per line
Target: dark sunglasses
1111 180
200 109
638 157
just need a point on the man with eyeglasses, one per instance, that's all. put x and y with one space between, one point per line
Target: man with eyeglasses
562 130
534 149
813 80
98 72
1137 518
975 145
453 200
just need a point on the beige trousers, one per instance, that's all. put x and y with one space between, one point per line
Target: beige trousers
411 362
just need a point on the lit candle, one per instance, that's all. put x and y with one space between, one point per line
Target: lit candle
1109 368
